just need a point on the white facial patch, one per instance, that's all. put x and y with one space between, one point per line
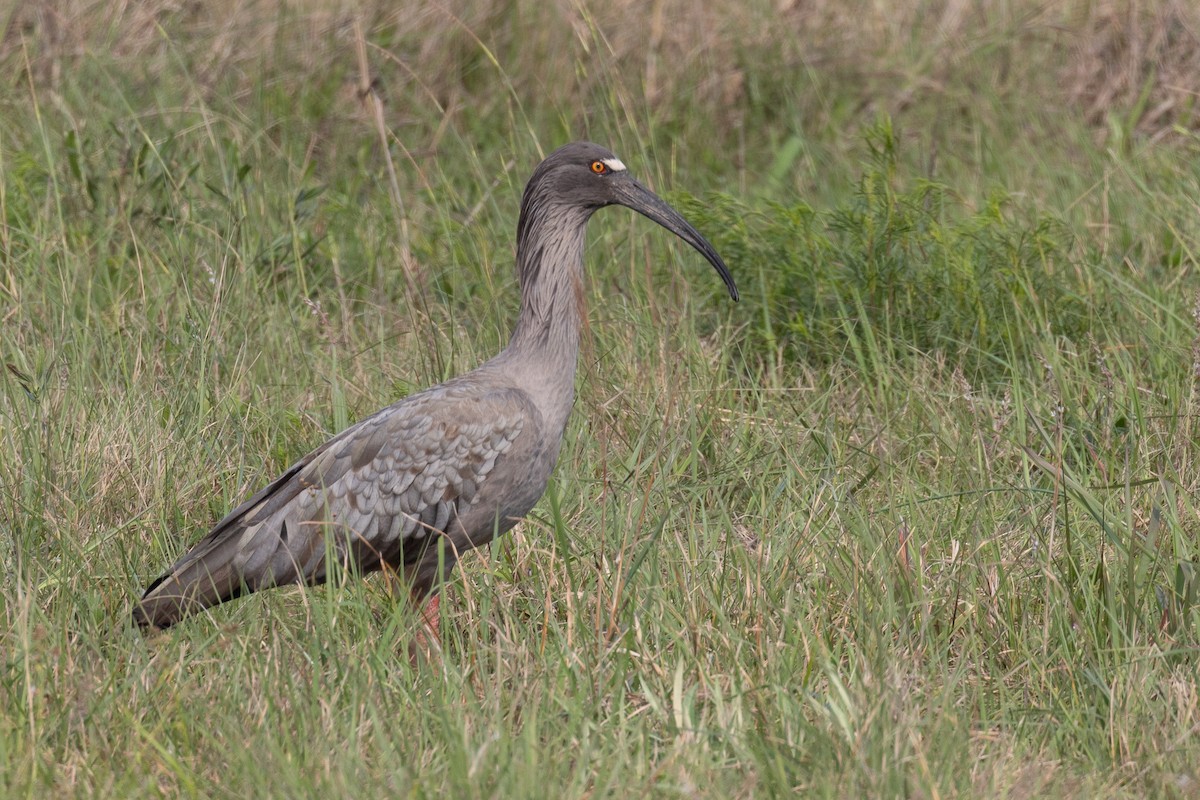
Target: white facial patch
614 164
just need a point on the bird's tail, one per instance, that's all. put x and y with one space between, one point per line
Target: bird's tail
236 560
260 544
203 578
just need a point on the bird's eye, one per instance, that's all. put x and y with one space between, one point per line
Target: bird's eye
599 167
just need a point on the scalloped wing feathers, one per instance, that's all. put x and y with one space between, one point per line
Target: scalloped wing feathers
371 496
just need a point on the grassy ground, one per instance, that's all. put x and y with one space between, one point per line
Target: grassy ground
917 518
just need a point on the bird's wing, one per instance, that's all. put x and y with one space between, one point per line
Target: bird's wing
383 483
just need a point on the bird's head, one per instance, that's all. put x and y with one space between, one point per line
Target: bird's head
588 177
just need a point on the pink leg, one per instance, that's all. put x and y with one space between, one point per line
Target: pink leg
433 620
429 635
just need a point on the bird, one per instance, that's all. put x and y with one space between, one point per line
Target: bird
459 463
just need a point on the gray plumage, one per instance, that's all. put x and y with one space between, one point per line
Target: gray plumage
464 460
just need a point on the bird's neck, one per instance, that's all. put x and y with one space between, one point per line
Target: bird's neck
545 342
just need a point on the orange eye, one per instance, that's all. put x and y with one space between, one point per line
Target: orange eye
599 167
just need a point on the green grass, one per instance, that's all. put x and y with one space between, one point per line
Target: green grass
918 517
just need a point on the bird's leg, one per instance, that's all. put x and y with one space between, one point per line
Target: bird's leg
431 622
428 637
427 644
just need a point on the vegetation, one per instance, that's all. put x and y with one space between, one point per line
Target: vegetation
918 517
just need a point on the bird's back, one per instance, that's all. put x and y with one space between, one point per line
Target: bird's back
462 460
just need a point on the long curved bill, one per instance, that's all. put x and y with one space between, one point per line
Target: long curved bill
636 196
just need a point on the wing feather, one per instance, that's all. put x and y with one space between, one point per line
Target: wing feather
393 477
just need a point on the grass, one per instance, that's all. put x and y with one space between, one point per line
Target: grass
917 518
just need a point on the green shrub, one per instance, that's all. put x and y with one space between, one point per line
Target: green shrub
905 265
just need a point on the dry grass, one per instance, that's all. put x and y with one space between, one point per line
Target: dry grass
1138 60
